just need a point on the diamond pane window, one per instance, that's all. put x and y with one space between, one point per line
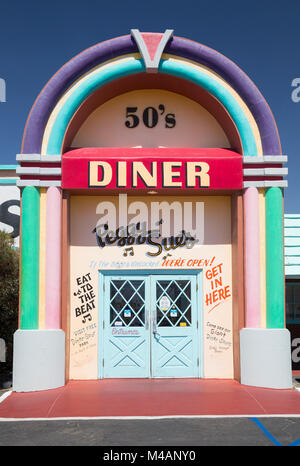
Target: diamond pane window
127 303
173 303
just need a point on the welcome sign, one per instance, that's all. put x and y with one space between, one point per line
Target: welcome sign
117 169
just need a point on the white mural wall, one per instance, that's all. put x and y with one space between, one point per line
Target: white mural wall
211 254
150 118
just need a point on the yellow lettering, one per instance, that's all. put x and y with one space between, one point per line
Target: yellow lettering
93 174
149 179
202 174
168 174
121 174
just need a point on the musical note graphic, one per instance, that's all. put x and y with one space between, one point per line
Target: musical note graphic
88 316
125 254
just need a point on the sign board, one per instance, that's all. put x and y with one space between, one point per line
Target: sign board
164 303
158 168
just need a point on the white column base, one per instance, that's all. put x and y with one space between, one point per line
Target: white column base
266 358
38 360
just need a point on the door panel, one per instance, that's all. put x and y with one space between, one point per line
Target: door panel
126 327
174 335
150 326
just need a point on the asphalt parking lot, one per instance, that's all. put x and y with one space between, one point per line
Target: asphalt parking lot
270 431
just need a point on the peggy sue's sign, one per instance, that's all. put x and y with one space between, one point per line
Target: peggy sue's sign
118 173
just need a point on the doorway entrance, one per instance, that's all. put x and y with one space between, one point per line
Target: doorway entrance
151 325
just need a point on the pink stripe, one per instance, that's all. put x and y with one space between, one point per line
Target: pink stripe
53 258
252 259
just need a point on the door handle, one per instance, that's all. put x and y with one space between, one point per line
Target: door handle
147 320
154 326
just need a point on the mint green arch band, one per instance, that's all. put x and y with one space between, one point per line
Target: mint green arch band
274 258
237 114
131 67
93 83
29 292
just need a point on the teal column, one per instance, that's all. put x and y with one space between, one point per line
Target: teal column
30 228
274 258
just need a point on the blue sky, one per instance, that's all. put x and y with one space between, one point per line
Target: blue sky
262 37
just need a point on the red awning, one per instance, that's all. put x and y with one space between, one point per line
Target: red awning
152 168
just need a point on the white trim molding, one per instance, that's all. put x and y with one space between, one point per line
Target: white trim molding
265 159
265 171
38 158
38 183
266 184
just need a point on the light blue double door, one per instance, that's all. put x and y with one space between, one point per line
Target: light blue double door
150 326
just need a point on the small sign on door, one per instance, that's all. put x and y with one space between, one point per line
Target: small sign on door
164 304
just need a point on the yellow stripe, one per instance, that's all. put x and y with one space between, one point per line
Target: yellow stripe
42 291
262 235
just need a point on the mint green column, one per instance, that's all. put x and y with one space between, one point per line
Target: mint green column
30 228
274 258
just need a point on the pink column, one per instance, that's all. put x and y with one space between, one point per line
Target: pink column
53 258
252 259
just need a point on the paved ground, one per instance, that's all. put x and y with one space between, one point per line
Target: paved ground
235 415
147 433
151 397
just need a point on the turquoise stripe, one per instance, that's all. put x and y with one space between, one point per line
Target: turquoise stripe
104 76
93 83
274 258
8 181
221 93
30 227
8 167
